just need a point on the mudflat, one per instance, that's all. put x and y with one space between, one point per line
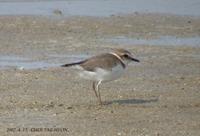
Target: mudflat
158 97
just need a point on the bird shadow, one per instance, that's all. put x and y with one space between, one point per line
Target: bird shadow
131 101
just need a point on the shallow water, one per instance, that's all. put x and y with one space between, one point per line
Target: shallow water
100 7
55 60
27 63
162 40
22 63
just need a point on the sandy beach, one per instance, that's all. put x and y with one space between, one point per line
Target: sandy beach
158 97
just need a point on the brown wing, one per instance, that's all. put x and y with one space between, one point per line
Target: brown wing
106 61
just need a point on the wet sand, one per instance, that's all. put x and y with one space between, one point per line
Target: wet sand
158 97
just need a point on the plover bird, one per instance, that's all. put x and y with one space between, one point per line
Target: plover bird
103 68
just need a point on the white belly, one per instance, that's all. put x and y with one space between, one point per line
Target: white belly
102 75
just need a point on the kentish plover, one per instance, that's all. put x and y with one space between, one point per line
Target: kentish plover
104 67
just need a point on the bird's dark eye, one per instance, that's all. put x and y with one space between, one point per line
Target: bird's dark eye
126 56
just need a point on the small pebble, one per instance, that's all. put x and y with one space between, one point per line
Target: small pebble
21 68
70 107
54 114
119 134
57 12
60 105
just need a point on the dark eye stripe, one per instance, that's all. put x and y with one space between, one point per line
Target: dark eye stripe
125 55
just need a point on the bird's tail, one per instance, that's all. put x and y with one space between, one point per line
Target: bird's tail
72 64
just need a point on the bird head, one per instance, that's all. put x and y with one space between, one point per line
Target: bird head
125 55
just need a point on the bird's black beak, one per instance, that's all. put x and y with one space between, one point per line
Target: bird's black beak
136 60
132 58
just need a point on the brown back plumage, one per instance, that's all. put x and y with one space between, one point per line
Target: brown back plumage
105 61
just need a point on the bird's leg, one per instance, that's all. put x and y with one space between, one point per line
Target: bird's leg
97 87
94 89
